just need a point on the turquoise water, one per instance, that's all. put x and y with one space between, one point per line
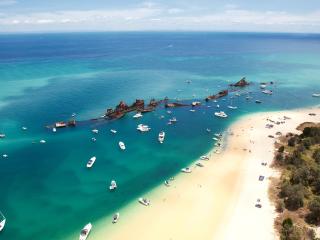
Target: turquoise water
46 190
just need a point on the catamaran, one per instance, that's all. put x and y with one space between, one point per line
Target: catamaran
221 114
115 217
143 128
2 221
161 136
91 162
122 146
113 185
85 231
144 201
137 115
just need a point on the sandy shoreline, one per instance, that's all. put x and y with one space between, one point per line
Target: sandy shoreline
216 201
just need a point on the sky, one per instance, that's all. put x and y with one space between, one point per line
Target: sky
159 15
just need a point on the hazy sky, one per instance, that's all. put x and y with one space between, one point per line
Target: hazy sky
198 15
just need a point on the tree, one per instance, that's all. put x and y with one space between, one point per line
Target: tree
293 195
314 215
291 141
301 176
289 231
281 149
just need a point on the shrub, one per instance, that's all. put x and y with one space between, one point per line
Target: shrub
289 231
314 215
291 141
293 195
280 206
316 155
281 149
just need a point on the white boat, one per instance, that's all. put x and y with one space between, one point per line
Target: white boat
42 141
2 221
137 115
54 129
216 139
24 128
204 157
95 131
199 164
218 106
5 156
173 120
2 135
316 95
115 217
186 170
143 128
93 139
85 231
232 107
91 162
113 131
113 185
169 112
161 136
192 110
258 101
266 91
73 114
144 201
221 114
166 183
195 103
219 135
122 146
208 130
263 85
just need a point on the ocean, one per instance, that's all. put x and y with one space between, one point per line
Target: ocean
46 191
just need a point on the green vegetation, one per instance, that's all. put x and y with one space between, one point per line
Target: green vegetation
299 189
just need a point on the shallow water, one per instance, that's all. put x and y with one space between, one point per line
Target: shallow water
47 77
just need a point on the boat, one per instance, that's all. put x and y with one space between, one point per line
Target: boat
2 221
42 141
208 130
54 129
258 101
93 139
216 139
60 124
263 85
316 95
113 131
166 183
232 107
161 136
169 112
144 201
173 120
113 185
73 114
186 170
91 162
143 128
221 114
24 128
137 115
5 155
219 135
122 146
218 106
195 104
85 231
199 164
266 91
115 217
192 110
204 157
2 135
95 131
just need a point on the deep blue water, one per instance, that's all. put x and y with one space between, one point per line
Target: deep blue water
47 77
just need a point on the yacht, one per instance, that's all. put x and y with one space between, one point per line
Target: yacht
113 131
115 217
144 201
143 128
2 135
161 136
95 130
42 141
186 170
2 221
266 91
113 185
85 231
122 146
137 115
316 95
221 114
91 162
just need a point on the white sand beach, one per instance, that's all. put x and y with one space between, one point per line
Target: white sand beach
216 201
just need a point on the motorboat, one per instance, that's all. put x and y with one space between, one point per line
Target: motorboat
2 135
316 95
5 156
137 115
219 135
173 120
232 107
161 136
195 104
85 231
186 170
221 114
24 128
266 91
42 141
208 130
144 201
169 112
199 164
113 185
122 146
73 114
143 128
115 217
95 131
60 124
216 139
263 85
204 157
93 139
166 183
113 131
91 162
192 110
217 105
258 101
2 221
54 129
